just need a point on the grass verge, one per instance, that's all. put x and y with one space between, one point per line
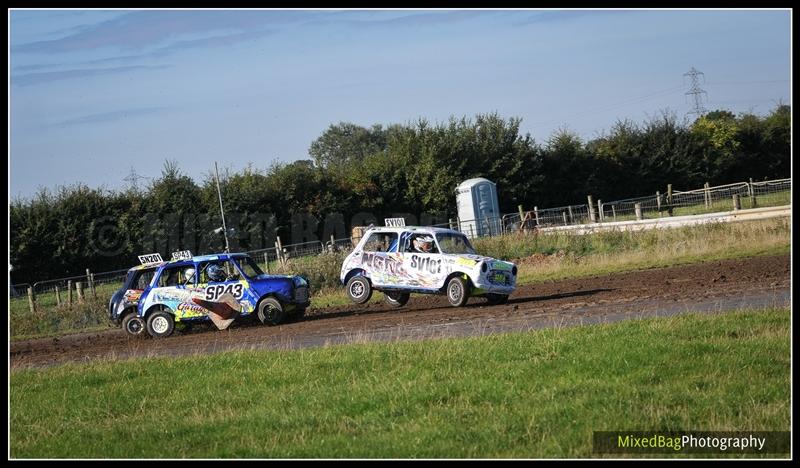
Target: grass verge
537 394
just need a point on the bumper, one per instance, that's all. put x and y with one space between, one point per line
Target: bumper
495 288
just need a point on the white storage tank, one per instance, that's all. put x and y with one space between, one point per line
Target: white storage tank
478 209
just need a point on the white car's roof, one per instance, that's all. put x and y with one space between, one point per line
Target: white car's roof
434 230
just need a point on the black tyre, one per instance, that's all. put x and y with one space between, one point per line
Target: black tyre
133 324
497 298
270 311
396 299
359 290
160 324
457 291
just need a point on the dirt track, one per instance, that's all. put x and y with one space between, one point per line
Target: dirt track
715 286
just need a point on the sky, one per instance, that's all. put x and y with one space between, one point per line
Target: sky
97 94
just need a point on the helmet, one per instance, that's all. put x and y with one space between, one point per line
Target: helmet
188 274
423 243
215 273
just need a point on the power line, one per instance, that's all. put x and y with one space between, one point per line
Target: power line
696 92
133 179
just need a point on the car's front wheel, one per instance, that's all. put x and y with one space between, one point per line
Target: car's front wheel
396 299
457 291
133 324
160 324
359 290
270 311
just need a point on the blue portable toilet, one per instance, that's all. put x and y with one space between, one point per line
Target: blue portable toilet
478 209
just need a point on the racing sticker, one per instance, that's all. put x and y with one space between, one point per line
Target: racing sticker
216 290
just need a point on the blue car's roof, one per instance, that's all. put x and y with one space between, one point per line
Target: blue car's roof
196 258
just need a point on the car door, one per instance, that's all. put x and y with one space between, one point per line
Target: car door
174 288
424 270
234 283
380 260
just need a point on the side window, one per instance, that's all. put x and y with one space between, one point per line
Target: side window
177 276
381 242
421 243
144 279
218 272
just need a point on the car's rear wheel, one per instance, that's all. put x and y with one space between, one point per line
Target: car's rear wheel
133 324
359 290
160 324
396 299
457 291
270 311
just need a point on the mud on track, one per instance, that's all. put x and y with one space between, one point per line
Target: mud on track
710 287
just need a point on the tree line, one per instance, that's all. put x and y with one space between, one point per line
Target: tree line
357 175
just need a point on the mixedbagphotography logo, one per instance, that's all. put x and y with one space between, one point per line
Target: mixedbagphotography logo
739 442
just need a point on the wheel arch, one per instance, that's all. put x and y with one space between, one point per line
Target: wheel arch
454 274
356 272
156 307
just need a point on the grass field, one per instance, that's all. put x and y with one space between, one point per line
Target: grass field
540 257
536 394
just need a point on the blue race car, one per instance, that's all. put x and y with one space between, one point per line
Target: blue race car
218 287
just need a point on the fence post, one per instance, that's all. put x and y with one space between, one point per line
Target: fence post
737 204
88 279
279 248
571 218
58 297
707 194
613 213
31 299
266 259
333 244
669 199
564 214
69 292
638 209
521 218
79 289
658 202
591 209
94 291
600 210
752 194
536 214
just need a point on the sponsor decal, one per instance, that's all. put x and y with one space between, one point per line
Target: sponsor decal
502 266
189 307
426 264
467 262
133 295
382 263
214 291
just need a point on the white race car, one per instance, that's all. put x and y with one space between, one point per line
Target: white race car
402 260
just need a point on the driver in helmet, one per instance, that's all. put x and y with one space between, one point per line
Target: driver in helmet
423 244
188 275
216 273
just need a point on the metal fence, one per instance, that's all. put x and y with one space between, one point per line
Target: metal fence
708 199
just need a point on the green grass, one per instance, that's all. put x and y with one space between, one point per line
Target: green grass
540 257
523 395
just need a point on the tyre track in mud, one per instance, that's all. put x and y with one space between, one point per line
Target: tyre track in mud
706 287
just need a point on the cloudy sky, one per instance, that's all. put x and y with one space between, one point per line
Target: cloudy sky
94 93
